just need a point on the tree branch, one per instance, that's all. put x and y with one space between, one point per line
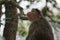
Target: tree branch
23 17
52 20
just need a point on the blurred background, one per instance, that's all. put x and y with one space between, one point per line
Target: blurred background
50 9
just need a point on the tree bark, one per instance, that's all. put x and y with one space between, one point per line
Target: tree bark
11 23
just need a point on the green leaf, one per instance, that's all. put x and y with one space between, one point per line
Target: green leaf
31 0
28 23
45 10
58 15
47 0
24 32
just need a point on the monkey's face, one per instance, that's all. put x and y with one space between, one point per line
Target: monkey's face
33 15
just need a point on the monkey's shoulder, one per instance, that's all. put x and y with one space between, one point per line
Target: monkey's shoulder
41 23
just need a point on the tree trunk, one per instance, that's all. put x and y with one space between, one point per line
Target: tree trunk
0 14
11 23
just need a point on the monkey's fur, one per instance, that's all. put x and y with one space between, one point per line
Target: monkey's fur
39 29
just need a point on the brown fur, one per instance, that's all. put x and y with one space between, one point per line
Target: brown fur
39 29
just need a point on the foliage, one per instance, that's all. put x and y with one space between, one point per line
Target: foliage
28 23
21 28
33 0
24 32
58 15
45 10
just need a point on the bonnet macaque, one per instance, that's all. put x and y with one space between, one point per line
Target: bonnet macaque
39 29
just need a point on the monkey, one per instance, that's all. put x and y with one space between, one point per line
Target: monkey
39 29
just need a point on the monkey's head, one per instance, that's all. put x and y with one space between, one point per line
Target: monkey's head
35 14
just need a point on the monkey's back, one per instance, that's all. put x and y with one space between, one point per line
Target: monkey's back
40 30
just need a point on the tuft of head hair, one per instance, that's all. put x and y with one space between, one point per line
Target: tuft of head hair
37 11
